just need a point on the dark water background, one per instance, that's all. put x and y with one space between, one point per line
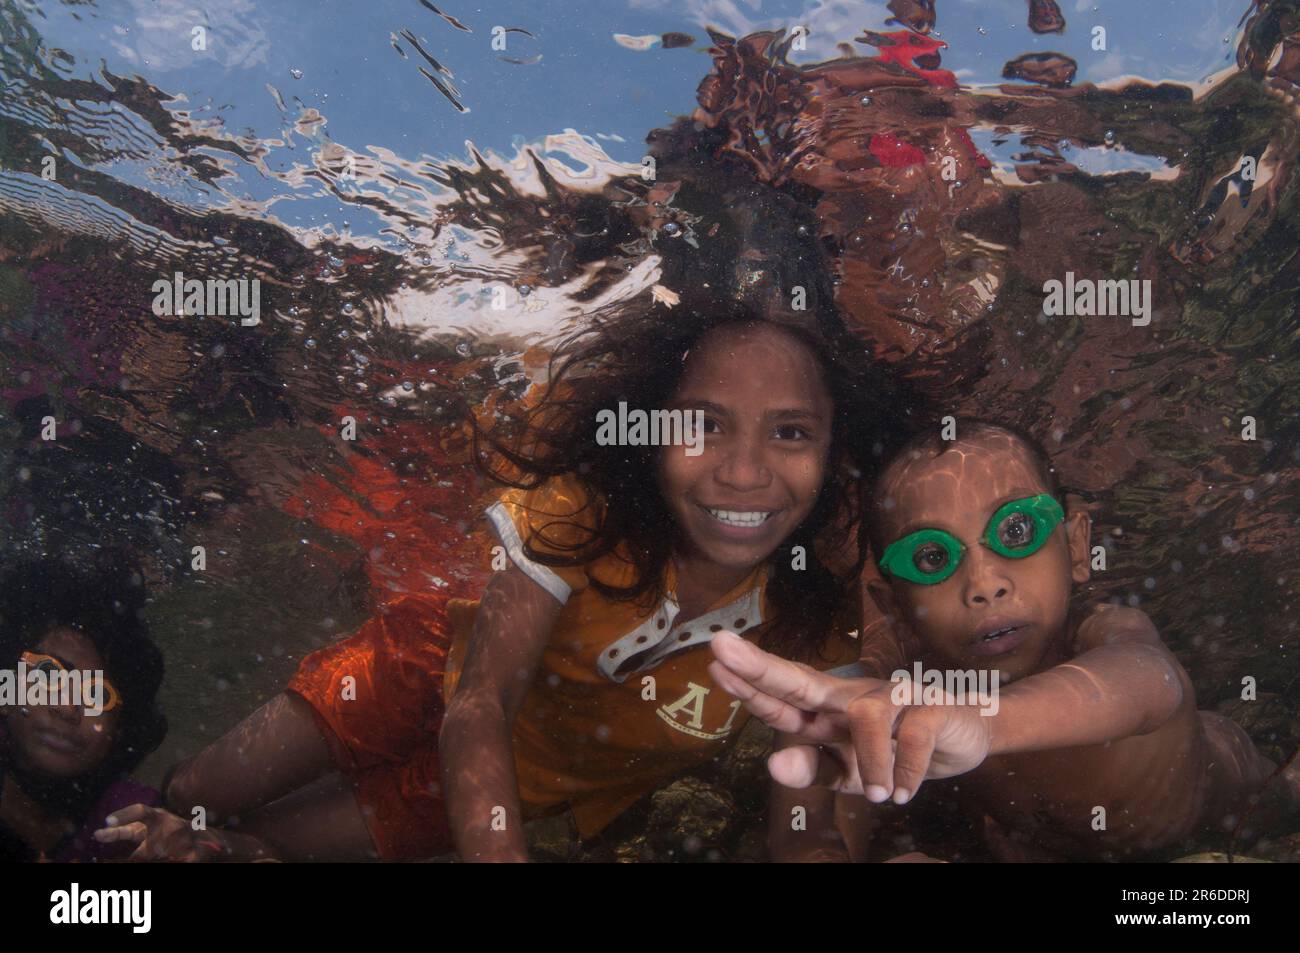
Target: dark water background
380 194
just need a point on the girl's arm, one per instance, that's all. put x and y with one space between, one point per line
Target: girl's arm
511 630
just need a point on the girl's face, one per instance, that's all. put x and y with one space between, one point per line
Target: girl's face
767 425
61 740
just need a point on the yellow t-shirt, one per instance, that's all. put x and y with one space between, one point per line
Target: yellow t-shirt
623 700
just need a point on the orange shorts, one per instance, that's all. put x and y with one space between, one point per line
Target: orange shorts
378 700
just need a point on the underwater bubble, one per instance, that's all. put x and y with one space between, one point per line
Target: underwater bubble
462 349
347 308
1109 138
672 228
310 342
525 290
296 73
408 386
335 261
865 101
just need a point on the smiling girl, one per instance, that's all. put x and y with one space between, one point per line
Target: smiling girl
580 681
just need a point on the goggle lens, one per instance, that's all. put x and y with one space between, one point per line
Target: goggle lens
1016 530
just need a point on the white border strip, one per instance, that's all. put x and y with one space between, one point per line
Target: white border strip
544 576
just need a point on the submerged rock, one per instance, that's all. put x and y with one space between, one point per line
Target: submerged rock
1047 69
690 815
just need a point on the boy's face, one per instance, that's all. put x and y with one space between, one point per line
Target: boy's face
767 424
61 740
994 612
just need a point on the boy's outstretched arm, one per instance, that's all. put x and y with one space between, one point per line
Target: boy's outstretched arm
1123 682
511 630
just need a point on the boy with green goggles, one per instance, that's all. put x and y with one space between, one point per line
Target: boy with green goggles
1095 750
1018 529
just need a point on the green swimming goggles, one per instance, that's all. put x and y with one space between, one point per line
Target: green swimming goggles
1018 529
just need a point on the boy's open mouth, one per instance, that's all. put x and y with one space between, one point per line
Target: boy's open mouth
999 637
744 519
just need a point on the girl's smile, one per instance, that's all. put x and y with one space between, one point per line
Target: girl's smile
767 419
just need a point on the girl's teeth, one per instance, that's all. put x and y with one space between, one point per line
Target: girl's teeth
738 518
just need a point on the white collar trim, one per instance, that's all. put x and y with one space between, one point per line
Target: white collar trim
661 636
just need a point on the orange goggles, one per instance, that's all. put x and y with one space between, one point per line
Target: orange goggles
48 664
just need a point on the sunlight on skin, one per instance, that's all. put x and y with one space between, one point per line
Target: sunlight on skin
958 490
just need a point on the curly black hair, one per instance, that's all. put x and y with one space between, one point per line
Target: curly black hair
104 603
635 352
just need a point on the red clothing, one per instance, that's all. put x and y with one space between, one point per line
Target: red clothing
622 701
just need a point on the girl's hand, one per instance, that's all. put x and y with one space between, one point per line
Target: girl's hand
870 742
162 836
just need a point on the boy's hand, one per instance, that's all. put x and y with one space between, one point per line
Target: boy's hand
869 743
162 836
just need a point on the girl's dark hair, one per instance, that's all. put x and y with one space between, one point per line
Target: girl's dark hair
636 353
104 604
